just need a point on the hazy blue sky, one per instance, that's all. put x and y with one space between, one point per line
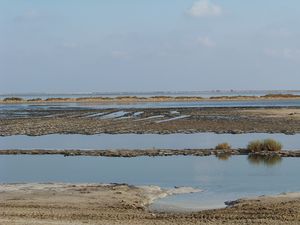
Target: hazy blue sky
148 45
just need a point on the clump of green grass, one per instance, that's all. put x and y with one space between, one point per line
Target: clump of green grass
264 145
223 146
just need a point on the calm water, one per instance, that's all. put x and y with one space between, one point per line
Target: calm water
148 94
66 106
221 180
141 141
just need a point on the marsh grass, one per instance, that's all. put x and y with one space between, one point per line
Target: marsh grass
264 145
12 99
223 146
34 99
281 96
255 146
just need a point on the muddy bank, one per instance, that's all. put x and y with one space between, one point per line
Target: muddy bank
150 152
58 204
37 122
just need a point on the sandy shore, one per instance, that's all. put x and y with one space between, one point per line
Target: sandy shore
57 204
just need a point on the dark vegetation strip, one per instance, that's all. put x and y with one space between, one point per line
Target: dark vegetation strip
149 152
161 98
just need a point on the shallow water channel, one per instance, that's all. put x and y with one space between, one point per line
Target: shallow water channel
220 180
208 103
141 141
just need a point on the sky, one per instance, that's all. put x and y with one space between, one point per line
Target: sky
63 46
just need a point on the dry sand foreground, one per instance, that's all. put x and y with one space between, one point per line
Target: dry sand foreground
57 204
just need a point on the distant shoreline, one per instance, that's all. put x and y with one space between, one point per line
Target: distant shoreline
155 93
135 99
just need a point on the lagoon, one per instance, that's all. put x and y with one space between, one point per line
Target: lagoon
220 180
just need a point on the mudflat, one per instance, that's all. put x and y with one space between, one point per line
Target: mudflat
151 120
58 204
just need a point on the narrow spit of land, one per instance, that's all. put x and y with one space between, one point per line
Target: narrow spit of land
232 120
66 204
135 99
150 152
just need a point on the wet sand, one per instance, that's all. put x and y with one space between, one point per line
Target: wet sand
151 121
58 204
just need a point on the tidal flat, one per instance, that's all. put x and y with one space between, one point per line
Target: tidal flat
109 178
69 120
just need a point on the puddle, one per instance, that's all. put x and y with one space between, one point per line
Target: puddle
137 113
174 118
93 115
151 117
114 115
174 112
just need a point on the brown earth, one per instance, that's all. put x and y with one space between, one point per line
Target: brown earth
63 204
152 120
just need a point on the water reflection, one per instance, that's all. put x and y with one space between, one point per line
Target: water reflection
267 160
223 156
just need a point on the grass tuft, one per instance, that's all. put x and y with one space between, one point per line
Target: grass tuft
264 145
223 146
